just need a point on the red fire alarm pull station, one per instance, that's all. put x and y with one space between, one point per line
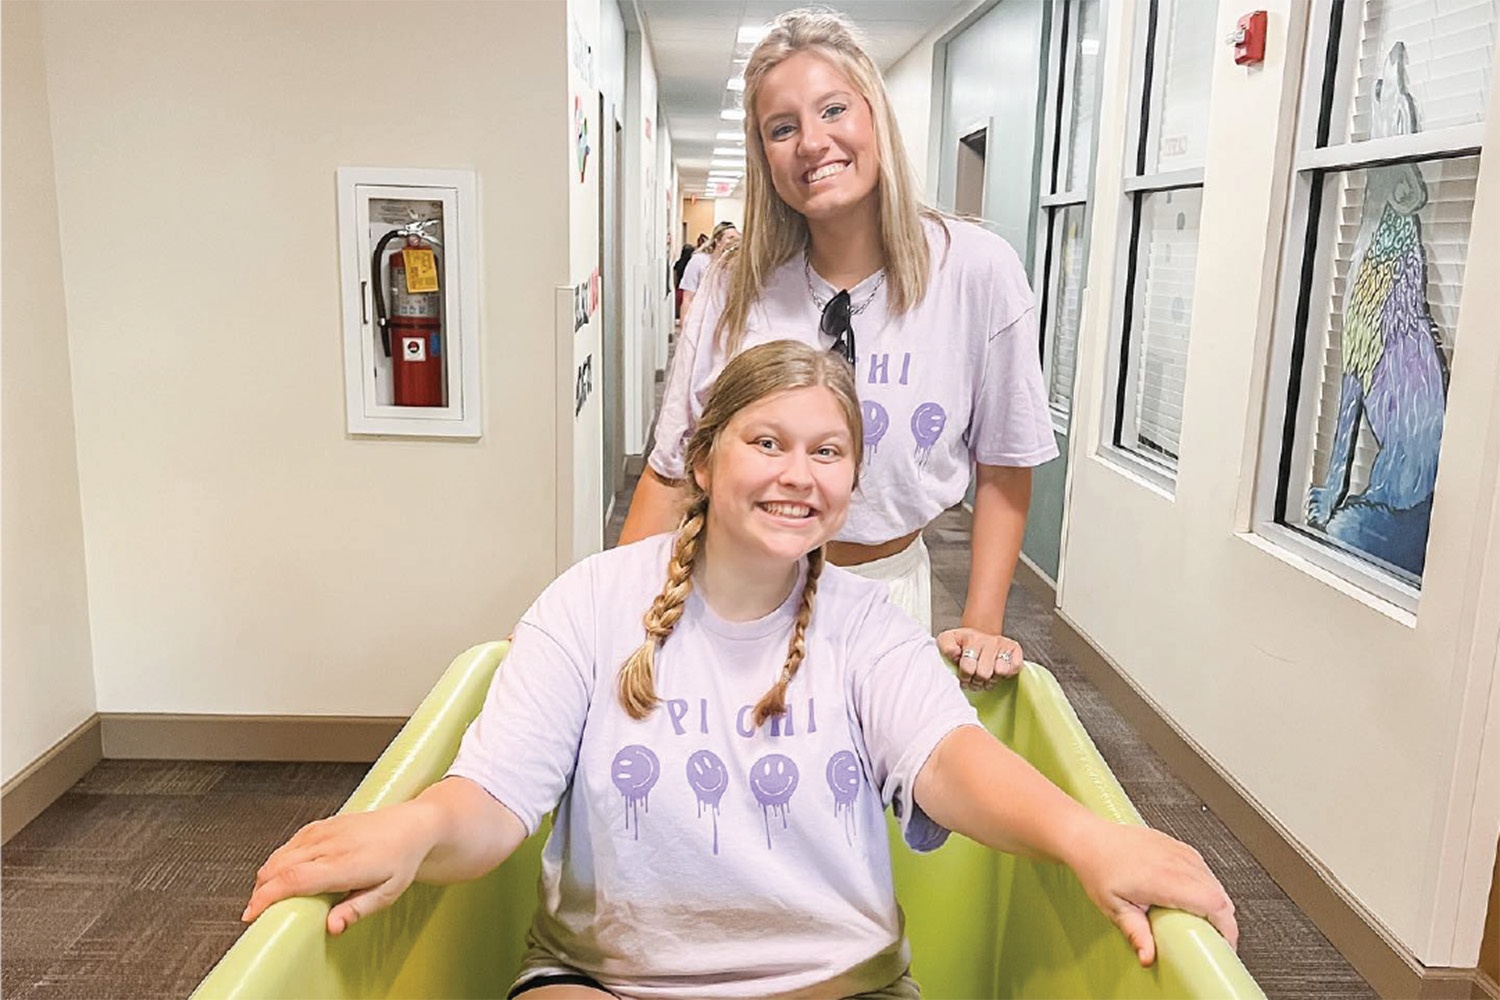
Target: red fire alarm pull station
1249 39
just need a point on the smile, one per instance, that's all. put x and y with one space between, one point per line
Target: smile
791 510
825 171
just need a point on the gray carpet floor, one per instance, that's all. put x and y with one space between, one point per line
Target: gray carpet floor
131 884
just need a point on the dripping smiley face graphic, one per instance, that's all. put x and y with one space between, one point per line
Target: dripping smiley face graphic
707 776
843 777
927 424
773 779
635 771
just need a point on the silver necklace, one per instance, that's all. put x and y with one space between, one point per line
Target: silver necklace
821 302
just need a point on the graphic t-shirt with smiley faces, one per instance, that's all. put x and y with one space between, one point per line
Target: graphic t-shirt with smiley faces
956 379
693 854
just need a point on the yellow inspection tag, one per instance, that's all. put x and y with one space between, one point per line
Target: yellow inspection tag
421 270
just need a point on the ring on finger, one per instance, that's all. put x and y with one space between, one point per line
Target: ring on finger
1005 656
969 654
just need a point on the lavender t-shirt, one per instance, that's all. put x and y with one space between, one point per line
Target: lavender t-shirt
692 854
956 379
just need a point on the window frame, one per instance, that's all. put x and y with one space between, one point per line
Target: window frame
1122 361
1053 202
1331 52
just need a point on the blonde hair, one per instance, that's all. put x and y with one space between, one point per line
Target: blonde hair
773 231
752 376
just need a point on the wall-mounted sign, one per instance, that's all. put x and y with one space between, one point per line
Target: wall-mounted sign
581 52
586 300
583 385
581 136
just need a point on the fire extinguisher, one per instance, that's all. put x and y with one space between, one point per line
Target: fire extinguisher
412 333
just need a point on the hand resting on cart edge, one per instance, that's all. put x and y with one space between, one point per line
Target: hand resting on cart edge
972 784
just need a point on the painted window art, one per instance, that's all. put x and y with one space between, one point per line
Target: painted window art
1387 193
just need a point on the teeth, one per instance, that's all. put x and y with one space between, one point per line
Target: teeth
787 509
828 170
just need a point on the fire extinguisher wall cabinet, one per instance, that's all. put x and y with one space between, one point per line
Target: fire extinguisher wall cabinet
408 243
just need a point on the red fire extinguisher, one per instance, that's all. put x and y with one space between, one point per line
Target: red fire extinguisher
412 334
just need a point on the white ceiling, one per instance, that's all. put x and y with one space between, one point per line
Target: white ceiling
694 45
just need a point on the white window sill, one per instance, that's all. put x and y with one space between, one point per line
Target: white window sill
1342 572
1139 470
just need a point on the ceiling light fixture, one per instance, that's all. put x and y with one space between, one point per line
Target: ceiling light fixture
733 114
727 151
729 137
752 33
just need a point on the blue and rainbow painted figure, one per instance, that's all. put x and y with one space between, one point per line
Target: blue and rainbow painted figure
1394 374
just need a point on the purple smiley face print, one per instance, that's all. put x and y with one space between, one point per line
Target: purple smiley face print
773 779
927 425
877 421
708 777
634 772
844 779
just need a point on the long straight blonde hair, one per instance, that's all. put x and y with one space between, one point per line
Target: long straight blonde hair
760 372
773 233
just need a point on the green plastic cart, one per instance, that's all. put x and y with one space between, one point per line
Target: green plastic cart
981 924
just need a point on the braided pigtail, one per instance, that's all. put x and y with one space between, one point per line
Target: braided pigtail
774 702
637 677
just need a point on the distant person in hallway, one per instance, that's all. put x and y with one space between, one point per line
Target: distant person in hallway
717 722
688 249
836 243
725 236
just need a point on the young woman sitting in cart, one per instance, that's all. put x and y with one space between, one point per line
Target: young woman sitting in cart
719 719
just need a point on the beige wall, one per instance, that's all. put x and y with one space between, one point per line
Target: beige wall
699 217
47 676
729 210
1357 726
244 554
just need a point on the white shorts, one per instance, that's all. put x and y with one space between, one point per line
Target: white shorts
908 574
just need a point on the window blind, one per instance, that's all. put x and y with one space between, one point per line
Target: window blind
1185 53
1449 59
1067 309
1164 312
1085 79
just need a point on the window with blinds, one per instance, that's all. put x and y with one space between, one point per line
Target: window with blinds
1062 238
1374 269
1067 308
1166 190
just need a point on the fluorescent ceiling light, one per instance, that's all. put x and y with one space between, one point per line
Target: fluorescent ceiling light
733 114
750 34
1089 46
727 151
738 82
729 137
